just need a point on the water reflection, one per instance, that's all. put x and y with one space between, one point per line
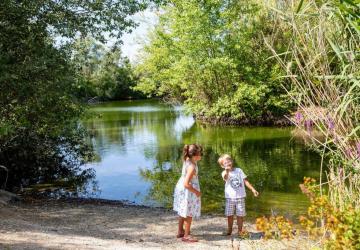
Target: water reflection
140 142
127 136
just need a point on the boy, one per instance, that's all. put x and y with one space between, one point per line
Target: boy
235 181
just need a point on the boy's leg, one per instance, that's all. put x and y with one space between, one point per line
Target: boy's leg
229 213
240 213
230 220
240 221
181 227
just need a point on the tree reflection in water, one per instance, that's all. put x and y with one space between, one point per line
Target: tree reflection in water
274 163
140 145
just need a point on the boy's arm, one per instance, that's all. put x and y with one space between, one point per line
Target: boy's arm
249 186
225 175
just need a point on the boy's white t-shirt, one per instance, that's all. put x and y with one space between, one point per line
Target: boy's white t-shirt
234 185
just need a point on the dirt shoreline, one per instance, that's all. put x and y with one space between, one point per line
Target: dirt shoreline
101 224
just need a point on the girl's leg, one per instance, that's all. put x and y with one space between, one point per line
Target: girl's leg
188 221
240 221
187 237
181 227
230 220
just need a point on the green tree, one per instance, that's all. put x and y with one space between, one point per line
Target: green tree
103 72
40 138
211 55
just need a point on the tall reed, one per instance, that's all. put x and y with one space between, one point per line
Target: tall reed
323 64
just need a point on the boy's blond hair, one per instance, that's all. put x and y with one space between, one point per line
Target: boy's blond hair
224 157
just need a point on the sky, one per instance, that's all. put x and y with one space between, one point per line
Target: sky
132 43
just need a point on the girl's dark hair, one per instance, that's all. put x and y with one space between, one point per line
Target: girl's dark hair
191 150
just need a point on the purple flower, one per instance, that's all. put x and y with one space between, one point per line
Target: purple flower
358 149
341 172
298 116
308 125
331 124
348 152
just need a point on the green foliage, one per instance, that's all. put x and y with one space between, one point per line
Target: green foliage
69 18
40 136
102 72
212 56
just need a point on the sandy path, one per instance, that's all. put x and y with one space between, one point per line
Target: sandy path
73 225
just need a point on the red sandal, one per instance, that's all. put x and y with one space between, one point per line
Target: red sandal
180 235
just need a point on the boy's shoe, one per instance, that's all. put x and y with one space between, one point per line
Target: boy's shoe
226 233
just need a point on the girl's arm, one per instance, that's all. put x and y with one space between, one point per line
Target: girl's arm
253 190
190 172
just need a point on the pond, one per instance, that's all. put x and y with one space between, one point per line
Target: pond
139 144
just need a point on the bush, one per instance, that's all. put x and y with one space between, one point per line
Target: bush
337 228
340 228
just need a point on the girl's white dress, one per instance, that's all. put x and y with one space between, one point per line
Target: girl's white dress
186 203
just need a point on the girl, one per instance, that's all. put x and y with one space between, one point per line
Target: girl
187 192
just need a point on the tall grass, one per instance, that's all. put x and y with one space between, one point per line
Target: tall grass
323 64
